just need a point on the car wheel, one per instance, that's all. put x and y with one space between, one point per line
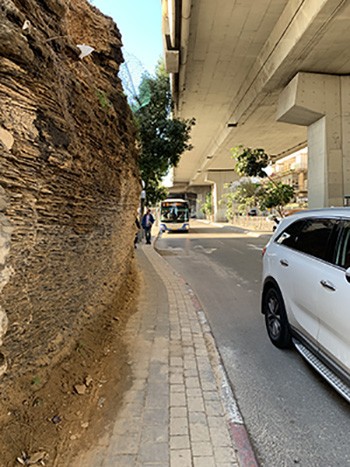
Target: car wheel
276 319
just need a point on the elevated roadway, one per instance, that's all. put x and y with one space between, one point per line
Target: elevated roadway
266 73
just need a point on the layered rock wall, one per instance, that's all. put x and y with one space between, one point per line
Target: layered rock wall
69 183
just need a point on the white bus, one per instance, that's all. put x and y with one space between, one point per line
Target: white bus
174 215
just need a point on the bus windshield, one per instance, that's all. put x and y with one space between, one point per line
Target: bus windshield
174 211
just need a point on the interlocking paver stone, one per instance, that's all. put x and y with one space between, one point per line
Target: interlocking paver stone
181 458
204 462
172 416
180 442
195 404
179 426
202 449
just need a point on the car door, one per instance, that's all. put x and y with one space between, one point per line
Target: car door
334 303
303 256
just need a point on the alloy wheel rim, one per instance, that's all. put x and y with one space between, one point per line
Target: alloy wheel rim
273 317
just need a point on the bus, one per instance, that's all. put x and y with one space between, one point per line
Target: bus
174 215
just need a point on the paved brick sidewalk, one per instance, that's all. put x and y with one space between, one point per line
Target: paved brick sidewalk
179 411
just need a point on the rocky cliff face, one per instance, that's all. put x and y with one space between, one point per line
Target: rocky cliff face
68 178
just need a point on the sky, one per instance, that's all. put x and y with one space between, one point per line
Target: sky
139 22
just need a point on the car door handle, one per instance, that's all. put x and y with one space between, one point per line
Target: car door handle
328 285
284 262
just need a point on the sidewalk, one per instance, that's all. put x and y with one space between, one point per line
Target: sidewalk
180 411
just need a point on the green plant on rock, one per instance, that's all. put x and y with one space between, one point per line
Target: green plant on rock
36 381
105 103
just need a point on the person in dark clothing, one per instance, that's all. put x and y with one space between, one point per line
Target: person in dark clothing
147 222
137 223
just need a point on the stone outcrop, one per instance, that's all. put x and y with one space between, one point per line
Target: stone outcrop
69 183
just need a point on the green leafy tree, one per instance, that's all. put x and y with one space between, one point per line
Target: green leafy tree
242 195
252 163
207 207
163 139
277 195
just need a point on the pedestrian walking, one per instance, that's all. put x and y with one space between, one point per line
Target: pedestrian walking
138 226
147 222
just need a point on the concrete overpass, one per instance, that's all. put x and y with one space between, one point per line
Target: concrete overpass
263 73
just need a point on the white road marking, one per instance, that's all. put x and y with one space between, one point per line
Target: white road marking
254 247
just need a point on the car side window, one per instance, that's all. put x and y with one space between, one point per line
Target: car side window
343 251
310 236
290 235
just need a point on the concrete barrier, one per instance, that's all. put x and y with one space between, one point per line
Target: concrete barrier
253 223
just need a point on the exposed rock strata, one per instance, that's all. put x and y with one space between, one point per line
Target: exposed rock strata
68 179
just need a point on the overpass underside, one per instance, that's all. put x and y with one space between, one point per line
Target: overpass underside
270 74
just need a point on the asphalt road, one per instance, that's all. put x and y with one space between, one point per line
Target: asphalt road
292 415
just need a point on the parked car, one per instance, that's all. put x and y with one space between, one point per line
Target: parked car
253 212
306 290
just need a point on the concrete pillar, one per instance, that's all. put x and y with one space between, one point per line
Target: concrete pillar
322 103
219 178
301 181
201 191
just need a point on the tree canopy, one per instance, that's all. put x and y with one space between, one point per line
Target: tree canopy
242 195
252 163
162 138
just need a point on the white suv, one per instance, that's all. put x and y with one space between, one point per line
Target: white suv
306 290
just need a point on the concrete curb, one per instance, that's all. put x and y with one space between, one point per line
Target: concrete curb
239 434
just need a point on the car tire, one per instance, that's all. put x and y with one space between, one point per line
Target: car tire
276 320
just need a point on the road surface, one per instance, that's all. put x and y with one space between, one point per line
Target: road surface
292 415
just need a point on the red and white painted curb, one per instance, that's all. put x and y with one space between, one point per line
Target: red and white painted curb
239 435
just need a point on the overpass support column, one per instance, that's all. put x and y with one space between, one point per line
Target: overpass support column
322 103
219 178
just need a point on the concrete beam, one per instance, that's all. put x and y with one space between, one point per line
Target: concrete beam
295 32
171 54
322 103
172 60
304 100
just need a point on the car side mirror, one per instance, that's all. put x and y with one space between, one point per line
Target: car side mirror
347 274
